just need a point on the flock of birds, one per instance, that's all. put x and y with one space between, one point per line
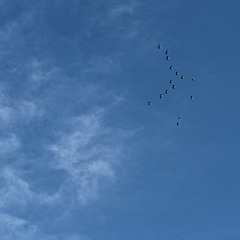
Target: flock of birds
173 86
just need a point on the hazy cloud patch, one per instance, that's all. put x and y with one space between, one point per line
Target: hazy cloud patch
88 153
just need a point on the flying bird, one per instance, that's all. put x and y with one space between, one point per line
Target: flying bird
171 82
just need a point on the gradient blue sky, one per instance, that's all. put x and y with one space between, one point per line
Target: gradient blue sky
82 156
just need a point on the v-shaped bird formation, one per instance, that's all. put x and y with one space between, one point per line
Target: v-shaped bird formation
171 81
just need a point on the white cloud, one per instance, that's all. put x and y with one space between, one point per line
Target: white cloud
17 193
7 33
122 9
42 71
86 150
14 192
109 65
12 111
5 113
9 144
11 34
88 154
27 110
12 227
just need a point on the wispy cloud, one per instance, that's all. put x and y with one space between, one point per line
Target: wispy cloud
15 192
42 71
85 150
123 9
88 153
11 35
103 65
9 145
13 111
122 17
12 227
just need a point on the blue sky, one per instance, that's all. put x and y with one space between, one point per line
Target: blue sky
82 155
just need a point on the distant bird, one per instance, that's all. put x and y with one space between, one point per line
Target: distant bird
159 46
170 81
160 95
176 73
149 103
179 118
191 97
193 79
170 67
166 91
167 52
182 77
173 86
167 57
177 123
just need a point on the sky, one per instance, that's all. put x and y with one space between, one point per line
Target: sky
82 155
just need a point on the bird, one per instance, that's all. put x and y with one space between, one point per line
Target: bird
159 46
193 79
191 97
149 103
167 52
160 95
171 67
177 123
167 57
173 86
166 91
182 77
170 81
179 118
176 73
